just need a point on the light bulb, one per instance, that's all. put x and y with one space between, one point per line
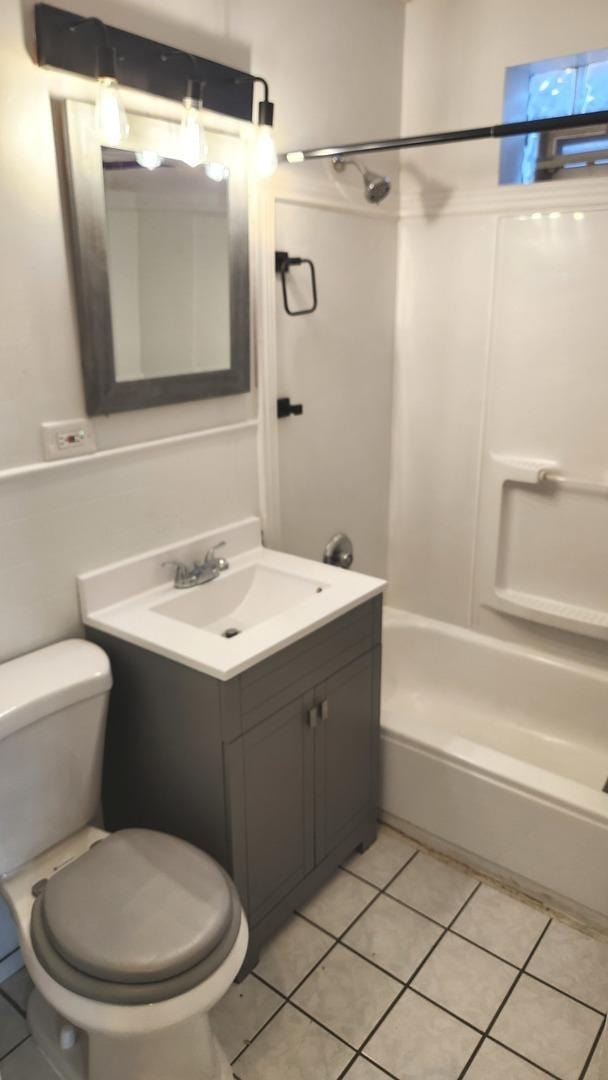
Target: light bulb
266 160
148 159
217 171
192 137
111 122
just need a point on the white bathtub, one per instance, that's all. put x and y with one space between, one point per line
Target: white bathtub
501 752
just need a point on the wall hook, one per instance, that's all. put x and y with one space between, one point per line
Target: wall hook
282 263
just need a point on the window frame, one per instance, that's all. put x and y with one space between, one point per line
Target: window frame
515 110
554 164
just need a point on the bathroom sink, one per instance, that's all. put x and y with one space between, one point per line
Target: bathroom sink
270 598
239 599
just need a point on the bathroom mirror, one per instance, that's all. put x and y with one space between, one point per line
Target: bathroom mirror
161 265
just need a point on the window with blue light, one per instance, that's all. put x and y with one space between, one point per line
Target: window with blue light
562 87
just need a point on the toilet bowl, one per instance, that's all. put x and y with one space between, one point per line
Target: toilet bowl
130 938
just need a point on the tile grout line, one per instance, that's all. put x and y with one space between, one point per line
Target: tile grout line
300 1008
522 1057
16 1047
335 941
405 985
564 993
416 970
504 1002
274 1014
470 941
467 1023
15 1005
361 1057
410 907
558 989
8 955
591 1053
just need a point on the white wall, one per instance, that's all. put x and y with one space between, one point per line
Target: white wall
334 460
456 53
321 60
495 354
313 56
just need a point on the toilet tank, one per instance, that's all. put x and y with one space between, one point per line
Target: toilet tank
53 706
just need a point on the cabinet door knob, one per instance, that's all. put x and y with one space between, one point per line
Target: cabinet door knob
325 709
313 717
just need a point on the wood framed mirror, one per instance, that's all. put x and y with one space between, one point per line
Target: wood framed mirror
161 264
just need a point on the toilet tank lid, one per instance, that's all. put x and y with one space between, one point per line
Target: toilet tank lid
50 679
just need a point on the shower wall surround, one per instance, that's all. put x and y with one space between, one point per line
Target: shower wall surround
500 347
334 460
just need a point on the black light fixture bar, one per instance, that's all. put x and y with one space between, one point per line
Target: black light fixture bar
410 142
139 61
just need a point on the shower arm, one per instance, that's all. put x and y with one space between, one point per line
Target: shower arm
495 131
339 165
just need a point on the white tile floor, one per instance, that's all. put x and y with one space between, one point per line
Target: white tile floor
403 966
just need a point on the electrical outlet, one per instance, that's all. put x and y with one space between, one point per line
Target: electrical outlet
68 438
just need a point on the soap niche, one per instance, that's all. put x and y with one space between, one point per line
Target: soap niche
549 567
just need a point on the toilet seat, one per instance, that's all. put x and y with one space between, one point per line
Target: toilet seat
140 918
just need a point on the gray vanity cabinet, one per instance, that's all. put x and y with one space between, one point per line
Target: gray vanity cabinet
274 773
308 778
273 766
345 753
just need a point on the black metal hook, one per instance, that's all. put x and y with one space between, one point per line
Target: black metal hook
282 263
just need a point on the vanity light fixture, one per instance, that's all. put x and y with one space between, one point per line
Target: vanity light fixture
266 158
148 159
227 90
111 121
217 171
192 136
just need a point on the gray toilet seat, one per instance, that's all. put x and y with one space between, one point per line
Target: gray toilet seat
140 918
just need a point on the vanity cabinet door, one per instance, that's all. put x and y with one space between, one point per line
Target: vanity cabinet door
346 751
271 791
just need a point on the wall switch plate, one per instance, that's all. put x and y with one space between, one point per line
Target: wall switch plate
68 438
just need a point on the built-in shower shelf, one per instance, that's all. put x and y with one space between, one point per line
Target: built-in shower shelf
555 609
559 564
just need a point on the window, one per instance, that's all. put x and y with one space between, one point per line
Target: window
562 87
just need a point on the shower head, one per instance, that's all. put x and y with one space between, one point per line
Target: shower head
376 187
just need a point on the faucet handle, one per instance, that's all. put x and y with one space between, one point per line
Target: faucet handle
182 572
212 558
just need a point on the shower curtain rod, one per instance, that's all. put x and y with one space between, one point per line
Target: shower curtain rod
495 131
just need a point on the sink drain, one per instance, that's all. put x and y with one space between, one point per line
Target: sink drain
231 632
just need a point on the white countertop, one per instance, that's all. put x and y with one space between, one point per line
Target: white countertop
123 600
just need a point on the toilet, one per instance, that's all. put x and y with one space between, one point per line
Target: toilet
130 938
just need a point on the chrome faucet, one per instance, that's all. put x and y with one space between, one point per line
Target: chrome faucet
186 577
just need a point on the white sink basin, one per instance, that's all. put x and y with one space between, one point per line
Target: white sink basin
269 597
238 600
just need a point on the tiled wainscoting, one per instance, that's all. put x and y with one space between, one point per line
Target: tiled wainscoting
404 965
